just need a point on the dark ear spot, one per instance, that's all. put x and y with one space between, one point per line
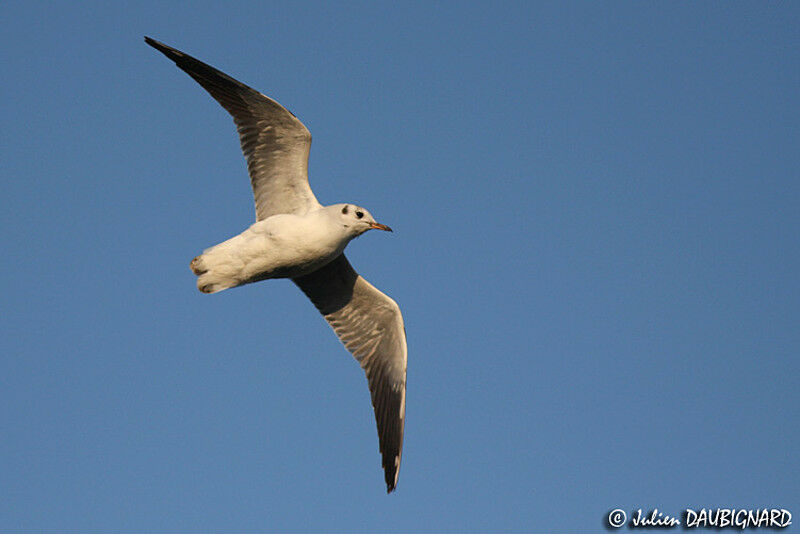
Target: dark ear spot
344 210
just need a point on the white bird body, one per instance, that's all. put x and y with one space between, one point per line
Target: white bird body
295 237
286 245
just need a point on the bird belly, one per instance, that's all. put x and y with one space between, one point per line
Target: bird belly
280 248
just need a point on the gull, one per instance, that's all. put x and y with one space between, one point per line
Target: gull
295 237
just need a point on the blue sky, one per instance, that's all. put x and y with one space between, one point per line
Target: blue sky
596 252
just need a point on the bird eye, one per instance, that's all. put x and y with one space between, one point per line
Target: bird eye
359 214
344 210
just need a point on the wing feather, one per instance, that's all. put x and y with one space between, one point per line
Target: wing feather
274 142
370 326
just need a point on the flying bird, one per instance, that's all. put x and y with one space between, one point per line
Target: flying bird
296 237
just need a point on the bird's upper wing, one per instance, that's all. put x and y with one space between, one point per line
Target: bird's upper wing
371 327
275 143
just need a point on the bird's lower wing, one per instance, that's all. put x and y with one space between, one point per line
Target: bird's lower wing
370 325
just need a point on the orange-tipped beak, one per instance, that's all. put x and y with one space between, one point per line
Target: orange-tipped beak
379 226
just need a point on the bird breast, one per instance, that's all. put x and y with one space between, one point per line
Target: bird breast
288 245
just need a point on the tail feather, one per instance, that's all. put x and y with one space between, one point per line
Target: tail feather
213 275
197 265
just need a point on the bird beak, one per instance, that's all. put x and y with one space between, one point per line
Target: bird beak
379 226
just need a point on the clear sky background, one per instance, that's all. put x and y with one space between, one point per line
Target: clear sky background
597 217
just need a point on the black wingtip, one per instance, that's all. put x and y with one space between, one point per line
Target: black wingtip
389 477
164 49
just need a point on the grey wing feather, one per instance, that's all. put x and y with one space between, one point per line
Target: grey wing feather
370 325
275 143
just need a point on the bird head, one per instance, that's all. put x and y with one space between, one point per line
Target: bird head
358 220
